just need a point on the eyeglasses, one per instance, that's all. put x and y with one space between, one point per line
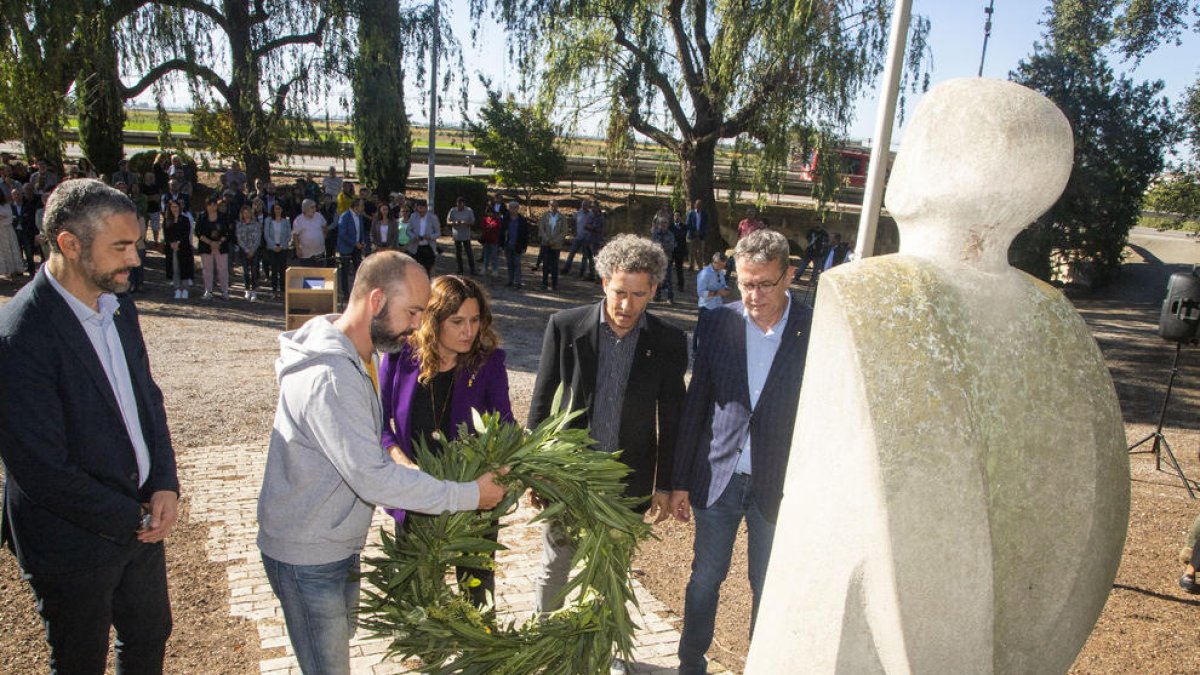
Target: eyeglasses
763 286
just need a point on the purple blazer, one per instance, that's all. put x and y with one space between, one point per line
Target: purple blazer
485 390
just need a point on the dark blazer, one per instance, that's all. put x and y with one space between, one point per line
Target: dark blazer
521 242
717 409
485 390
348 237
71 498
653 394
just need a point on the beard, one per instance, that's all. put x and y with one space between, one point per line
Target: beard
382 337
106 281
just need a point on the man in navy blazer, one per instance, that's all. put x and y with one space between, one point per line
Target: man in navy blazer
736 431
90 487
624 367
353 235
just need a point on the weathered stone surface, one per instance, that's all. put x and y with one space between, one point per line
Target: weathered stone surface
958 492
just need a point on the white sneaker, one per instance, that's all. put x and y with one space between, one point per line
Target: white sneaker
178 294
185 294
207 295
248 294
253 296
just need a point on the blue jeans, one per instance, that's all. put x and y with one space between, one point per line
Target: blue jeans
514 267
319 603
716 529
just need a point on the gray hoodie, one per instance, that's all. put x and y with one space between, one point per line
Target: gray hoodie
325 467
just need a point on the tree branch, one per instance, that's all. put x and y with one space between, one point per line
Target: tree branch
281 94
739 122
700 28
695 83
260 13
313 38
653 75
200 8
182 65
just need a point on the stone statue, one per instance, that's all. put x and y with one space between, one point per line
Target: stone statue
958 491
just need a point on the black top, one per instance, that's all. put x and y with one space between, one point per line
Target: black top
220 229
431 409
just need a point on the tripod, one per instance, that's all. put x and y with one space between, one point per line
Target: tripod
1160 440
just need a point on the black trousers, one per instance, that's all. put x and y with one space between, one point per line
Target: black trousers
77 609
550 266
462 248
347 268
427 257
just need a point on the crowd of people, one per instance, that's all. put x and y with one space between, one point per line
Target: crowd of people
407 360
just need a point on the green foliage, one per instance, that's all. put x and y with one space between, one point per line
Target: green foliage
1121 130
99 92
383 140
428 618
519 142
1178 194
473 190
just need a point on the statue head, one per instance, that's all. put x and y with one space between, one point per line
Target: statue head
980 161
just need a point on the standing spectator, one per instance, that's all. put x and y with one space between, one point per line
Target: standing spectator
449 368
711 289
623 367
249 240
423 233
583 220
514 234
309 233
836 255
552 230
814 252
697 229
680 253
185 174
11 262
351 244
751 223
593 243
84 168
277 233
326 433
123 175
660 233
736 431
44 178
213 231
331 184
24 212
461 219
385 229
175 193
90 490
344 199
234 178
150 189
489 239
162 162
177 236
328 210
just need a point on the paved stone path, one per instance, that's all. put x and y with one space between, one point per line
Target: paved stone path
224 483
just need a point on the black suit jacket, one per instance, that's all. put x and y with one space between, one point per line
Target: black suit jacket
717 410
71 495
653 394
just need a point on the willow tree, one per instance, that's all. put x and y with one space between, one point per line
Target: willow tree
99 95
255 64
382 135
689 74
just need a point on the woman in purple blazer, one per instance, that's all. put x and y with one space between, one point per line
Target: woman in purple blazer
449 366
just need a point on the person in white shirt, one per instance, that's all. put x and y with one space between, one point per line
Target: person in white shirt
308 235
461 218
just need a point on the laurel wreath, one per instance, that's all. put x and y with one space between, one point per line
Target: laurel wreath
427 614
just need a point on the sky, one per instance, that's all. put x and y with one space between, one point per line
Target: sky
955 41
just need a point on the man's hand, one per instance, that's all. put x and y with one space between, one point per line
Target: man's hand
490 493
680 507
660 507
400 458
163 511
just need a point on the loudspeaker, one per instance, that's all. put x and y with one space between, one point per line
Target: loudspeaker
1180 316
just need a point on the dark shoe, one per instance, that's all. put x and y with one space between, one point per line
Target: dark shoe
1188 583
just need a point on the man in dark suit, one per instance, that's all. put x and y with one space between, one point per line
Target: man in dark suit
25 223
90 486
736 431
352 239
624 368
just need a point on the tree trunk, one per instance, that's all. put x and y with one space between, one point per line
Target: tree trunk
101 106
252 124
383 138
697 160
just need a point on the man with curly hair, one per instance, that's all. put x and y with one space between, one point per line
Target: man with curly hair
624 368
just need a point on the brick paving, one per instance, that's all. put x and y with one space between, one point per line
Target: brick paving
223 482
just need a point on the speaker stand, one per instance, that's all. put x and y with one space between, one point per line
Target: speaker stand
1160 440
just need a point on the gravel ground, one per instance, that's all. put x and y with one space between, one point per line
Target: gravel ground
214 361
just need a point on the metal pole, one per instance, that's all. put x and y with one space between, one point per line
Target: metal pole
433 85
881 149
987 33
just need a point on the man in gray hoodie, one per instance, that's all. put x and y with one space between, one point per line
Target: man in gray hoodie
325 468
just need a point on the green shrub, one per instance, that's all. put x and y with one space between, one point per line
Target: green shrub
141 162
473 190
